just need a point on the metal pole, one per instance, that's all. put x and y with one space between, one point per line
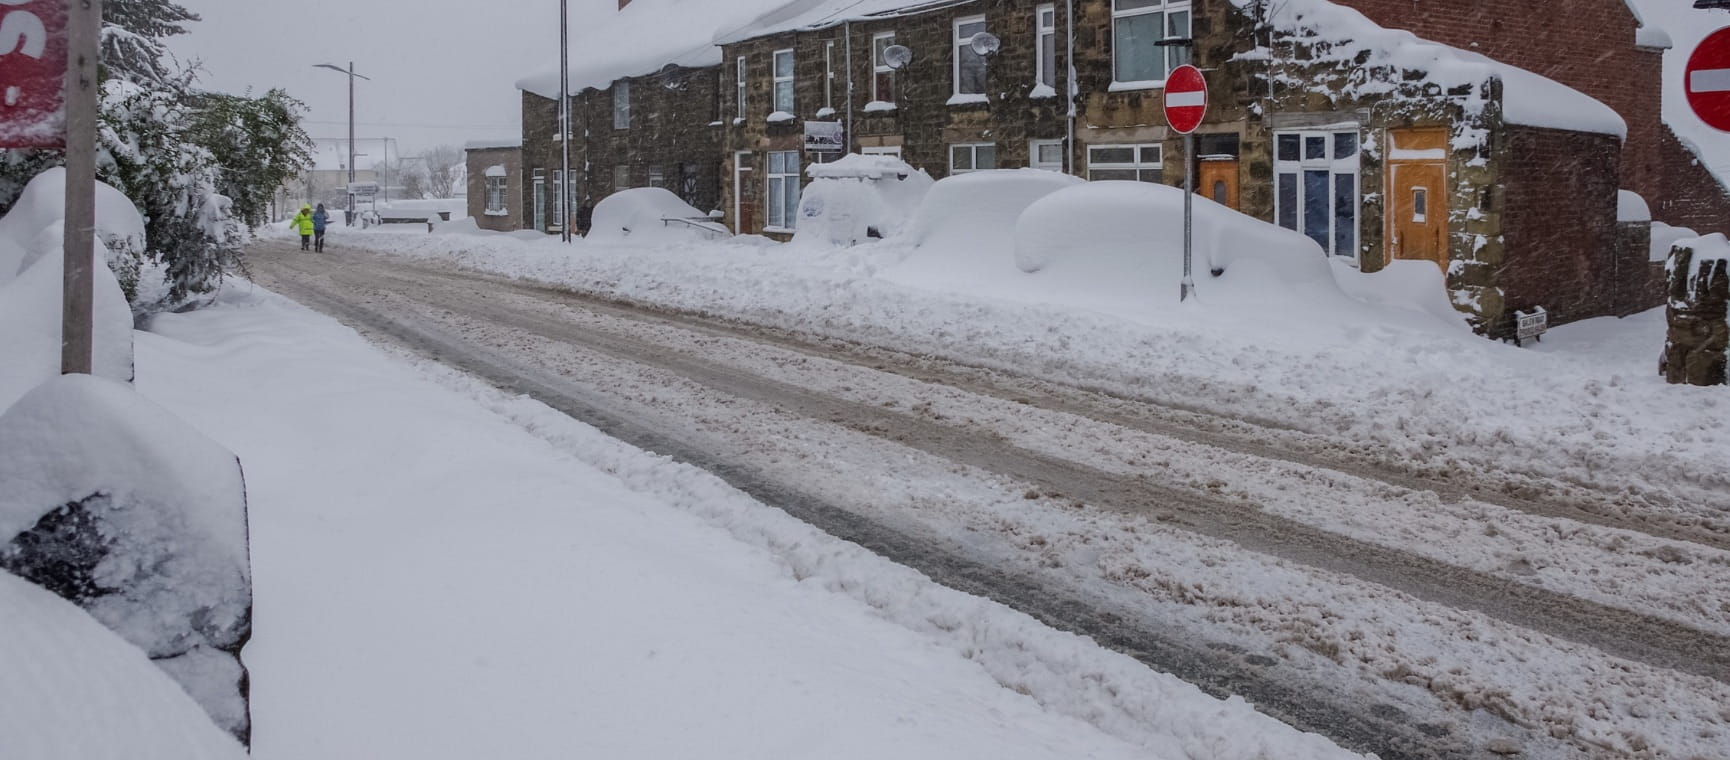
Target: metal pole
1069 84
1188 288
565 119
77 332
351 151
847 32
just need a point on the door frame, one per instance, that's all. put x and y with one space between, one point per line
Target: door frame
741 167
540 195
1431 157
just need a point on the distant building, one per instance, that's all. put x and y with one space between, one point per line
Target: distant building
494 184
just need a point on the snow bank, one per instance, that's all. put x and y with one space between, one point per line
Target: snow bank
1415 286
1345 39
76 691
1132 249
858 197
966 225
32 269
115 503
640 214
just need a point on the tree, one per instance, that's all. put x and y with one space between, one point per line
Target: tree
443 168
257 142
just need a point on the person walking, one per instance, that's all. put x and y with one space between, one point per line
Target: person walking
320 220
302 223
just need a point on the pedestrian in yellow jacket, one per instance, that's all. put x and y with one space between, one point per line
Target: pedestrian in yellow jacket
302 223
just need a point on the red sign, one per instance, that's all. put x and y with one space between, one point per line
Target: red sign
32 73
1185 99
1708 80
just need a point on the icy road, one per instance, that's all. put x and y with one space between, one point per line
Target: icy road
1371 603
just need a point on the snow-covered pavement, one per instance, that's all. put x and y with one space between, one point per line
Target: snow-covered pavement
437 579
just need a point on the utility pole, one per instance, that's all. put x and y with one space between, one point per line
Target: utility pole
351 151
565 119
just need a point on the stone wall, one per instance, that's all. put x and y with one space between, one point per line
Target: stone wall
1694 351
478 161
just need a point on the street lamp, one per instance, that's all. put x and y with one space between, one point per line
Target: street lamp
351 77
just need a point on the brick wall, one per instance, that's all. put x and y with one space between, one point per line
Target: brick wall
1691 195
1559 214
478 161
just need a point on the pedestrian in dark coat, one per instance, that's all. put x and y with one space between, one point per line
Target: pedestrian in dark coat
320 220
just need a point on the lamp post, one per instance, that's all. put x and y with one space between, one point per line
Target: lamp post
565 224
351 77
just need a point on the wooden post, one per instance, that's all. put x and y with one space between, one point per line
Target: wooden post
84 26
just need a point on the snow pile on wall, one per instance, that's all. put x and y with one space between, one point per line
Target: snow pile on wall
639 214
858 197
117 505
31 290
1706 249
1665 236
76 691
1630 207
644 37
1378 62
1123 241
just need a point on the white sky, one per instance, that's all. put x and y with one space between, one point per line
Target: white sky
444 71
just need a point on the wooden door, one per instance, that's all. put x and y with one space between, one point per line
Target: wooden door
1218 181
1417 205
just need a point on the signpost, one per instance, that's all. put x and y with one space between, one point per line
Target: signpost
1708 80
48 57
1185 105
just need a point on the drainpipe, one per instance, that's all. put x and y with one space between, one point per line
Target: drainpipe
1069 88
847 31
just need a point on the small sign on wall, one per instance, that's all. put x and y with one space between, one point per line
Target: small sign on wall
825 136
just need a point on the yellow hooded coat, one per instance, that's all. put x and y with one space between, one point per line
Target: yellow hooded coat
303 221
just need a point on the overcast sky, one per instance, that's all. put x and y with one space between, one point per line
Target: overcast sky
443 71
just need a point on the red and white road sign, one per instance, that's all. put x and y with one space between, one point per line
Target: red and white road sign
32 73
1185 99
1708 80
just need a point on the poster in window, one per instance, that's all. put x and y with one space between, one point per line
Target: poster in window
824 136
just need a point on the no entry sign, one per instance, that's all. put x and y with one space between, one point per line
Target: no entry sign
1708 80
32 73
1185 99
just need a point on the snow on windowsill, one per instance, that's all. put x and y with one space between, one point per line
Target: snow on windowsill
962 99
1042 91
715 123
738 120
499 212
1156 84
780 117
779 230
824 113
880 106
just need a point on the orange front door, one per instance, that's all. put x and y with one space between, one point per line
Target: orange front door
1417 195
1218 181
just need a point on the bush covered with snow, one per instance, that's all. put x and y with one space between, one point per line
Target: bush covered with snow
118 506
641 214
31 290
859 197
76 691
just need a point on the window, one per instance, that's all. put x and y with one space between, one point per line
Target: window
881 150
558 199
783 190
1141 163
882 77
1045 39
1420 205
1135 26
622 104
1045 154
657 178
972 157
969 65
829 76
1316 187
621 177
498 194
784 81
739 83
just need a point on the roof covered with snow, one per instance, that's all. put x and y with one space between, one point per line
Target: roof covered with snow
1354 42
503 143
645 37
1648 36
798 15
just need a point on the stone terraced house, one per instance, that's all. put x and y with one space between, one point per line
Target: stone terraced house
1488 137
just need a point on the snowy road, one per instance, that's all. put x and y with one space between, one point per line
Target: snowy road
1394 611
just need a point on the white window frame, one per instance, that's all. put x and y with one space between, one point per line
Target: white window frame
498 195
1033 161
829 75
559 215
622 104
881 150
1145 170
782 185
1041 32
778 79
1170 57
958 44
1335 167
973 157
739 72
879 67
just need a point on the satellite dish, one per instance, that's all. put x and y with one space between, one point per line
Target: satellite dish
897 56
986 44
673 76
